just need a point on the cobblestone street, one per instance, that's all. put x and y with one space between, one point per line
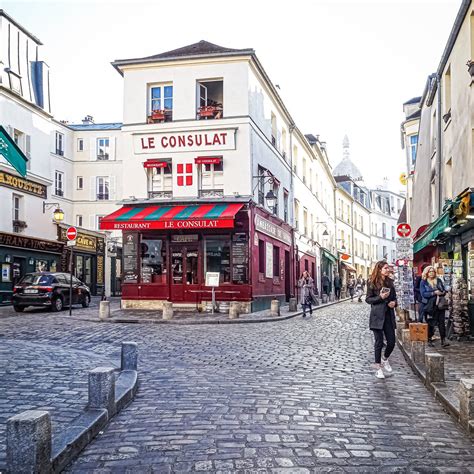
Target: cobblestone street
292 396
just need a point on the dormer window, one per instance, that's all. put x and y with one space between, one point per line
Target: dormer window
160 108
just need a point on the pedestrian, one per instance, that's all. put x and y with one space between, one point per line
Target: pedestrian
382 299
325 282
337 286
432 292
360 288
417 294
350 287
306 285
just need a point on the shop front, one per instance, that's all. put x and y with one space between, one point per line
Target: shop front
169 249
22 254
88 258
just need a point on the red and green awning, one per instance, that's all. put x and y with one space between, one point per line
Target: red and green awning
195 216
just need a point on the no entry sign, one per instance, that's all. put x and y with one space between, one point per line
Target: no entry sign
71 233
403 230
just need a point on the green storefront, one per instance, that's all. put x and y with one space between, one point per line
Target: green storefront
21 254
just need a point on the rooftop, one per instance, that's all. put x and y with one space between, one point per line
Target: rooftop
96 126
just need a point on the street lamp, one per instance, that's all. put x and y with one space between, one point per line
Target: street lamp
58 213
271 198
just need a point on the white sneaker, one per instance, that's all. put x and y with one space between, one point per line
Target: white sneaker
379 374
386 366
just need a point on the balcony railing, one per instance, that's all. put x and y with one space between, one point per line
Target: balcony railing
102 196
103 156
211 193
59 152
160 194
59 192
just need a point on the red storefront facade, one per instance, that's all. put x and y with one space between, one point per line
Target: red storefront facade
168 249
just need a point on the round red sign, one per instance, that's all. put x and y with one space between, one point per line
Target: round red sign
71 233
404 229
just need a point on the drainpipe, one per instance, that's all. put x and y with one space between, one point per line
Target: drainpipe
294 250
438 146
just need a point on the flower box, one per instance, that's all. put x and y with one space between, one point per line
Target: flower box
157 115
207 111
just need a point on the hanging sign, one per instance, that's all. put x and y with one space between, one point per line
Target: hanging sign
403 229
12 153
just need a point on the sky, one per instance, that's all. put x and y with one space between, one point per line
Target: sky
343 67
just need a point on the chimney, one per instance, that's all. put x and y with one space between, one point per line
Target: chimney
88 120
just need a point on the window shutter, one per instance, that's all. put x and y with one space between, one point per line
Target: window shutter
112 188
28 146
93 192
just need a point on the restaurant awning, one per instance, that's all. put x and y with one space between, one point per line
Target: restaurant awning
349 267
195 216
435 229
329 256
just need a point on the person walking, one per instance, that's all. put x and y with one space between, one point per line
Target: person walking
325 283
350 287
360 288
306 285
382 298
337 286
431 290
417 294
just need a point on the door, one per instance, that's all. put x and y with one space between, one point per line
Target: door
177 272
185 278
287 276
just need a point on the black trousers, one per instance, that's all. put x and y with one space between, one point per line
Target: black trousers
389 331
338 293
438 319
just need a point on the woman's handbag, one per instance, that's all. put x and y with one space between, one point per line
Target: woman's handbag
442 303
430 307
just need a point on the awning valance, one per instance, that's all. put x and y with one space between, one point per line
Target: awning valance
155 164
325 253
432 232
208 160
195 216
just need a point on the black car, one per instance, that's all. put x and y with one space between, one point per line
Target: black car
49 289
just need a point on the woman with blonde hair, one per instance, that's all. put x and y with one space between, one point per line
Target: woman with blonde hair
431 289
382 299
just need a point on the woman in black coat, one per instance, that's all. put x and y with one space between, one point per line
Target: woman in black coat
382 299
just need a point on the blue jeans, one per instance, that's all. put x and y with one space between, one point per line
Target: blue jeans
421 316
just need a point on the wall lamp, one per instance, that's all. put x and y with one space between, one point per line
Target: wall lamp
58 214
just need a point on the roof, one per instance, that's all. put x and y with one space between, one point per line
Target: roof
202 49
402 218
414 100
312 140
347 168
24 30
96 126
414 115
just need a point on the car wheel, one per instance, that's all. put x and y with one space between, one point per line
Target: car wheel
19 309
86 301
57 304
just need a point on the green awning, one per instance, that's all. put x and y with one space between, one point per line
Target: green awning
10 151
432 232
329 256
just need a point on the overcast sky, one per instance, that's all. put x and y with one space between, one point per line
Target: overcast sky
343 67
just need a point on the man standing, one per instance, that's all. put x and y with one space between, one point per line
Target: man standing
325 282
337 286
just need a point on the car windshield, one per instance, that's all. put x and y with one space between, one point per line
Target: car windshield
35 280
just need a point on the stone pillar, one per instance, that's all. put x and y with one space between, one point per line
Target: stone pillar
102 389
234 310
418 352
129 356
292 305
466 401
434 368
400 326
104 310
167 310
275 308
406 338
29 442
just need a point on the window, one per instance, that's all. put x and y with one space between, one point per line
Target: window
304 170
447 95
276 190
393 232
211 179
305 222
161 101
274 129
283 143
261 185
80 144
297 214
295 159
384 252
276 262
285 205
59 140
97 221
217 257
413 148
210 99
80 182
448 184
103 148
59 183
261 256
160 180
16 207
384 230
79 220
102 188
153 261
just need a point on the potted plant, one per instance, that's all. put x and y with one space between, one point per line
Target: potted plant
157 115
470 67
207 111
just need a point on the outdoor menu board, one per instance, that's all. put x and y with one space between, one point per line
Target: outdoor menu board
239 259
130 257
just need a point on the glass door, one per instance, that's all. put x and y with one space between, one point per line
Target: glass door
185 278
177 272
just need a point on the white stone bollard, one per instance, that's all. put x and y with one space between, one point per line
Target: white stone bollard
275 308
102 389
104 310
466 401
167 310
292 305
234 310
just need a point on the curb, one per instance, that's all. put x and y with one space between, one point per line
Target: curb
218 321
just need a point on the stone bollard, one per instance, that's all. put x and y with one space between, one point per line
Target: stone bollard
325 299
434 368
102 389
234 310
167 310
418 352
29 442
104 310
292 305
466 401
400 326
275 308
406 338
129 356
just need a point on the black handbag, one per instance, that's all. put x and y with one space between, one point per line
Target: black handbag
430 306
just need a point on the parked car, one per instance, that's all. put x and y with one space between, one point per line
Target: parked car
50 290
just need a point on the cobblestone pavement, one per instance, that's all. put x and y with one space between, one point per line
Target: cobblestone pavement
294 396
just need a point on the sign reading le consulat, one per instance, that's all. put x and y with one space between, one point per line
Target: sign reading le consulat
25 185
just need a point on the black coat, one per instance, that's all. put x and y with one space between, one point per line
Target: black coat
379 307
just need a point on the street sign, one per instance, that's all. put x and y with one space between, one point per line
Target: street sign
71 243
404 229
71 233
